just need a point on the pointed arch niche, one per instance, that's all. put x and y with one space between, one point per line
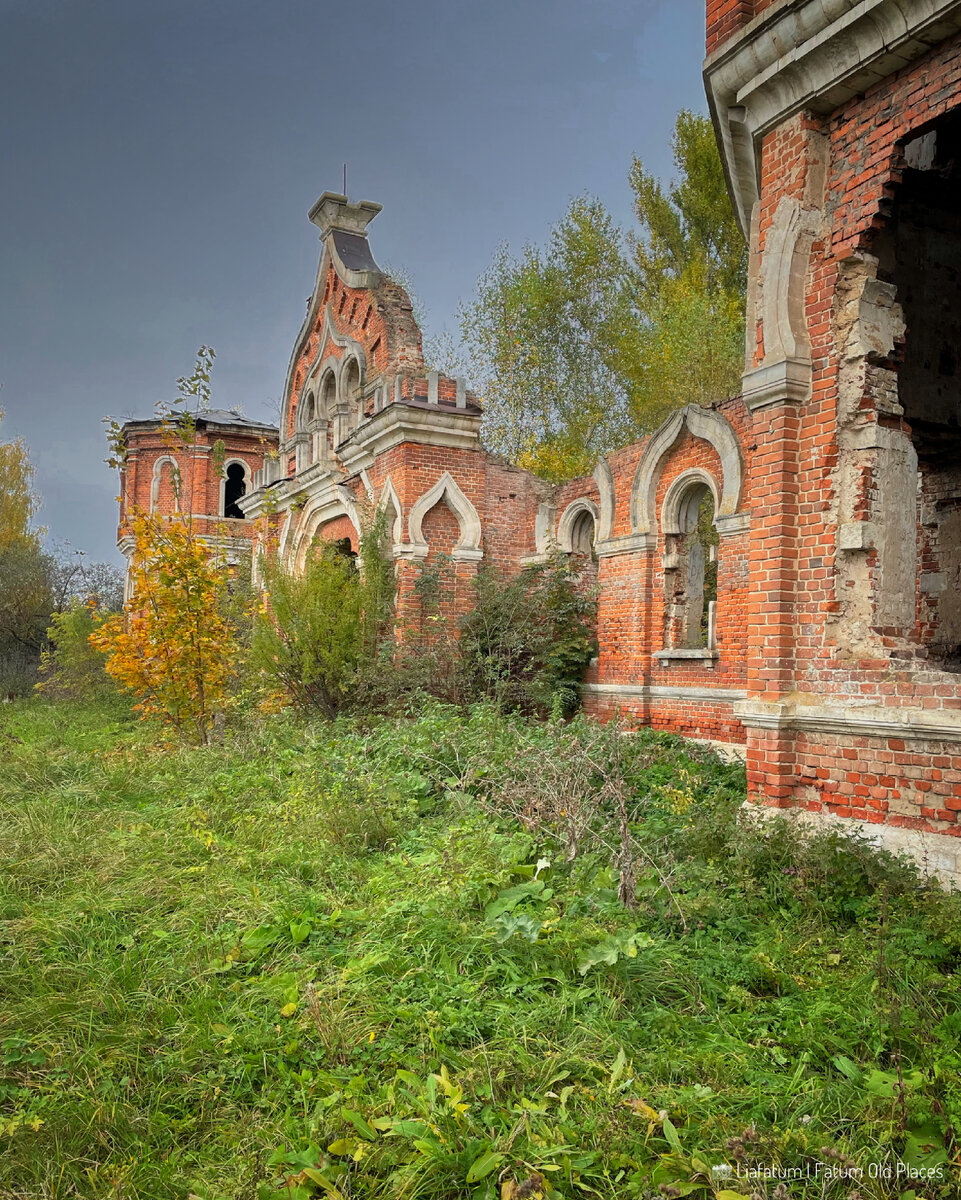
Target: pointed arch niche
711 427
468 545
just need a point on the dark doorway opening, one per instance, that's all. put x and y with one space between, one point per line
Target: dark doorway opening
235 486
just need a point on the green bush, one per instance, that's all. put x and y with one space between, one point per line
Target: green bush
70 667
319 634
528 640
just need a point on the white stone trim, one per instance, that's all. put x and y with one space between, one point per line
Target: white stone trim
468 545
331 501
702 423
388 497
671 507
176 480
544 541
565 526
604 478
634 543
937 854
452 429
851 721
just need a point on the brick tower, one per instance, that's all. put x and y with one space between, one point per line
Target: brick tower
204 480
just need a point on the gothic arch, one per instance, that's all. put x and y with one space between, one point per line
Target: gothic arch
469 543
673 508
390 502
702 423
224 479
157 476
351 349
569 518
337 501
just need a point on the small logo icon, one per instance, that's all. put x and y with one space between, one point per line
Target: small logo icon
722 1170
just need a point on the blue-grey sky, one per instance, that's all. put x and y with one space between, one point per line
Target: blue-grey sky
159 158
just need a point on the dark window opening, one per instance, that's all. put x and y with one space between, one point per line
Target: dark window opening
583 534
235 486
692 581
919 252
343 547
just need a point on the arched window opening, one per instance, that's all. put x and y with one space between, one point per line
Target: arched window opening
583 533
325 411
235 486
352 393
691 573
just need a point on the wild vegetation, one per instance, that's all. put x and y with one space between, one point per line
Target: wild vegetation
36 583
388 958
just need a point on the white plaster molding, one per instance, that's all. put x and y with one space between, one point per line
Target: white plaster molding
787 248
851 721
604 478
703 423
565 527
632 543
315 378
703 654
784 382
330 501
389 499
468 545
812 54
674 498
732 526
451 429
544 541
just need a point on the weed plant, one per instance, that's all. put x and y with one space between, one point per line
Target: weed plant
368 959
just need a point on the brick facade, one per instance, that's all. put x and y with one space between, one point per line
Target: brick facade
780 572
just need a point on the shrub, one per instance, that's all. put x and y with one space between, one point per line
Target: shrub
71 666
528 640
319 635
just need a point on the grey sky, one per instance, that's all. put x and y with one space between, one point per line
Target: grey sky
159 157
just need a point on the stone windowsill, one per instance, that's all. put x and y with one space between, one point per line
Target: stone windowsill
697 653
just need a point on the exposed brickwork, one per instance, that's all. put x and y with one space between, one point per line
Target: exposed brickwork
725 18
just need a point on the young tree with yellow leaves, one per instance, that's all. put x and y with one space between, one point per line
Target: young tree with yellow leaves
175 647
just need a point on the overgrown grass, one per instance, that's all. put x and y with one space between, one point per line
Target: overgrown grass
341 956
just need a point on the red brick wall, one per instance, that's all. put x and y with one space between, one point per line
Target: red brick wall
798 594
725 18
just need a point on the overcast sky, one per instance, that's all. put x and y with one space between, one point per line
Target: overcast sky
159 157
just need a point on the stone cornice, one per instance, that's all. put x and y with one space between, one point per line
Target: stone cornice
905 723
809 55
426 424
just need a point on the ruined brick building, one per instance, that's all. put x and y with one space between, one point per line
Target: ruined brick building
780 572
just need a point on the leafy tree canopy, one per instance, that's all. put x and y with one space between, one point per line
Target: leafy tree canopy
589 342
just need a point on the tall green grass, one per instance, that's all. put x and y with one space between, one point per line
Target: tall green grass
337 960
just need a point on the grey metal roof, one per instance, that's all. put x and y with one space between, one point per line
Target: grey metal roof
229 416
354 251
